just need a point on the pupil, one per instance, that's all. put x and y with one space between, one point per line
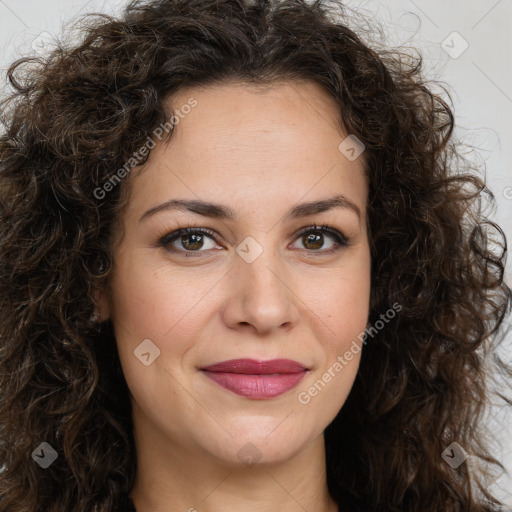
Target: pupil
315 239
196 244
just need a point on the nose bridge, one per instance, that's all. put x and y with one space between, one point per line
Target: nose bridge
260 272
262 295
263 272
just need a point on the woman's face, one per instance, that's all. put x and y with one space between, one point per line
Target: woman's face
255 287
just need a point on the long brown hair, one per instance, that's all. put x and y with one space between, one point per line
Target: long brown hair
75 118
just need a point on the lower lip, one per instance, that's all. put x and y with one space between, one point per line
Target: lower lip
256 386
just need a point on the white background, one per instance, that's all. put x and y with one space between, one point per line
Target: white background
479 80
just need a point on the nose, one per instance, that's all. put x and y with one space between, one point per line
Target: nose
261 296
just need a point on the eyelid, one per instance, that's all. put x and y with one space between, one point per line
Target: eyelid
340 239
176 233
324 228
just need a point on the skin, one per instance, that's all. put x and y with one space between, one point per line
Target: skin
259 152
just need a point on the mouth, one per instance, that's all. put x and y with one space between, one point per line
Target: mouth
257 379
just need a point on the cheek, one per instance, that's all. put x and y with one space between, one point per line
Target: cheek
344 309
151 299
344 303
148 304
346 315
349 311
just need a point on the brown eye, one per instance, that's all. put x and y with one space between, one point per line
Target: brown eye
188 240
314 238
195 240
192 241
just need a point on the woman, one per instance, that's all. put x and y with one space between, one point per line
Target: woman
241 269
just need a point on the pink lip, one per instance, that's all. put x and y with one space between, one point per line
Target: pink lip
257 379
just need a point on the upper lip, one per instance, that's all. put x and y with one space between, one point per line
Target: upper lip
255 367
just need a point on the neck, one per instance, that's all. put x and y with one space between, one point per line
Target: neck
174 478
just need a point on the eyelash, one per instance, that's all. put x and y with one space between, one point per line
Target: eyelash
341 241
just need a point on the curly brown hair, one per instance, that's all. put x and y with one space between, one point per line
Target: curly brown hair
77 115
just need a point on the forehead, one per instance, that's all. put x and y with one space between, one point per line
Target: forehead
248 141
281 108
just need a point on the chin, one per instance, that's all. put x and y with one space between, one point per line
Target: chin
253 447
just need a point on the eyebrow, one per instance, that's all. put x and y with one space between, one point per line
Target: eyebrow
221 212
